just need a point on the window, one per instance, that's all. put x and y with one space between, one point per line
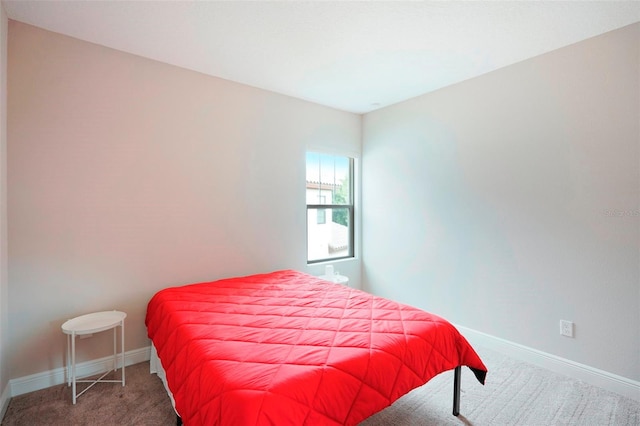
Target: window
329 207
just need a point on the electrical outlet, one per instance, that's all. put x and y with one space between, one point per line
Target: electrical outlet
566 328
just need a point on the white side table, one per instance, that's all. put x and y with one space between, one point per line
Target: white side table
338 279
89 324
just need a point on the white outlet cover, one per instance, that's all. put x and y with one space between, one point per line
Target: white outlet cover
566 328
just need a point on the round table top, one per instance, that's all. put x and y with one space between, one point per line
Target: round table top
93 323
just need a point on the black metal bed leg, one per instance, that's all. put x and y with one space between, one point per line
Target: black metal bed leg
456 390
178 420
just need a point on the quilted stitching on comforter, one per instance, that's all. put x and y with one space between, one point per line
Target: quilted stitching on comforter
286 348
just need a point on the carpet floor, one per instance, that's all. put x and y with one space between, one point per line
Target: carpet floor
516 393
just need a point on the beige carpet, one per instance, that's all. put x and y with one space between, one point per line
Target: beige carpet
142 401
515 394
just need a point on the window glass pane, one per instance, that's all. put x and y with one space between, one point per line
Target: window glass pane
328 179
331 238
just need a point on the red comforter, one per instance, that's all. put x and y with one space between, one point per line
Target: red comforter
287 348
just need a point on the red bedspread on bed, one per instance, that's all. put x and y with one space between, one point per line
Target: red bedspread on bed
287 348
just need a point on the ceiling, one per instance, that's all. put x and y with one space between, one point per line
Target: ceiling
356 56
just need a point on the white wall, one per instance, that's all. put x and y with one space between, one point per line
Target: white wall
4 280
511 201
127 175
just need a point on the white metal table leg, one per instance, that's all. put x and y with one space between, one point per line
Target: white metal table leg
68 360
122 348
73 365
115 359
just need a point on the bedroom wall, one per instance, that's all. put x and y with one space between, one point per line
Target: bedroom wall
510 201
127 176
4 278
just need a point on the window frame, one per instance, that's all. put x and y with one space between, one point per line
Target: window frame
350 207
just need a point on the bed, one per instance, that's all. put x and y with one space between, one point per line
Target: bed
286 348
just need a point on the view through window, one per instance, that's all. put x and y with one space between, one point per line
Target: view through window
329 207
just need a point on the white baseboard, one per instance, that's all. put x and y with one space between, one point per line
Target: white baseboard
4 400
596 377
57 376
600 378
